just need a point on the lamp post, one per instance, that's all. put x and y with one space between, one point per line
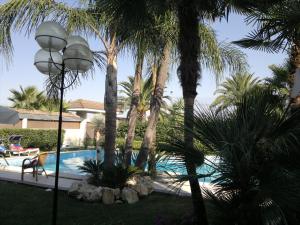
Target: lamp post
61 56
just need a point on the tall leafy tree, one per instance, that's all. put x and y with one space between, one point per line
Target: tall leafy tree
232 90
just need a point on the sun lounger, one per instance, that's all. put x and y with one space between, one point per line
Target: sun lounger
15 147
36 164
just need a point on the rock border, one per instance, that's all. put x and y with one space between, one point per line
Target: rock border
136 187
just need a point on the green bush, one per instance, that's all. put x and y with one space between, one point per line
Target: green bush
162 130
44 139
113 177
87 142
139 130
120 142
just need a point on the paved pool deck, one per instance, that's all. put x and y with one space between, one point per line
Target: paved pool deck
163 184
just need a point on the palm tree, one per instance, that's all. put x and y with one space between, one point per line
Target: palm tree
16 15
280 81
232 90
215 56
277 29
143 98
28 98
257 179
190 14
99 129
140 22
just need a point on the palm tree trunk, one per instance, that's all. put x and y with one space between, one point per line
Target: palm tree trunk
110 104
155 105
133 113
295 67
198 202
189 71
152 157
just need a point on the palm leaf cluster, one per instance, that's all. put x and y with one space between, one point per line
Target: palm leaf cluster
256 179
31 98
232 90
26 16
28 98
144 97
277 27
114 177
258 150
280 81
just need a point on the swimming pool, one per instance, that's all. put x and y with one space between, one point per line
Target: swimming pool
69 162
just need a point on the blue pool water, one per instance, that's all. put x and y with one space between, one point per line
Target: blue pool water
69 162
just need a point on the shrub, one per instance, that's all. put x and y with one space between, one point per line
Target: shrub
120 142
46 140
94 169
113 177
139 130
87 142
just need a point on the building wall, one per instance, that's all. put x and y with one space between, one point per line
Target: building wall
74 131
17 125
33 124
72 137
52 125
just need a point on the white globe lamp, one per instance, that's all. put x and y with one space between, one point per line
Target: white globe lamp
48 63
75 39
51 36
78 57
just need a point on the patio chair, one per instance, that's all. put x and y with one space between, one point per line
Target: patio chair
15 147
36 164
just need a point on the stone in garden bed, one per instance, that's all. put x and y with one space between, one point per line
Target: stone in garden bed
136 187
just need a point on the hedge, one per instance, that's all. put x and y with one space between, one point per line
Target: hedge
120 142
44 139
139 130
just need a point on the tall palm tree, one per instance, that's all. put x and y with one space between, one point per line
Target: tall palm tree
277 29
16 15
27 98
148 30
232 90
214 56
190 14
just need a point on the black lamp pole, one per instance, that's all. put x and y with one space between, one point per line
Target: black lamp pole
55 195
81 53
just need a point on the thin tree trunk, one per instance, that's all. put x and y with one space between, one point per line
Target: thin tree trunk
189 71
155 106
110 105
133 113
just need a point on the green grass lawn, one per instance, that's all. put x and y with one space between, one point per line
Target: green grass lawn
25 205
